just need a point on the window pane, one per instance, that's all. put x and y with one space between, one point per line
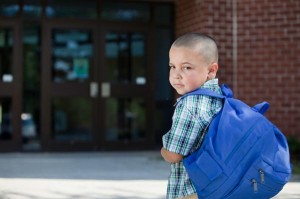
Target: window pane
71 119
125 58
9 8
164 94
125 119
6 53
31 86
163 39
6 128
72 9
72 55
32 8
114 11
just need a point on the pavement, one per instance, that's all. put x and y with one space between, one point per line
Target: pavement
92 175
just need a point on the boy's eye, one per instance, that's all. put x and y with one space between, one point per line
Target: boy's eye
172 67
186 67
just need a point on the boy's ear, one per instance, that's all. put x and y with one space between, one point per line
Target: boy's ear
212 71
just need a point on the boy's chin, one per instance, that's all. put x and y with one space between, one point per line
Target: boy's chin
181 92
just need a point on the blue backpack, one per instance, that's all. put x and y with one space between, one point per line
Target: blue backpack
243 155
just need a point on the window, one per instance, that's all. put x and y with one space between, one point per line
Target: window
6 53
72 9
72 54
127 11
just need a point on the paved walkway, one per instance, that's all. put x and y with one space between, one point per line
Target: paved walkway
109 175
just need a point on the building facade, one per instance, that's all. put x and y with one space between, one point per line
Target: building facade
93 75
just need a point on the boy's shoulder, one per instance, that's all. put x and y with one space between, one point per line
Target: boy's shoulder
191 100
194 102
199 102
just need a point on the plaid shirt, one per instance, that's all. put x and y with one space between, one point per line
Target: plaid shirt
190 120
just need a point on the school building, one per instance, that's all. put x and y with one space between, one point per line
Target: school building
92 75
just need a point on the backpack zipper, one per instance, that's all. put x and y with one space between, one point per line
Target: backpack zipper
255 188
262 179
262 176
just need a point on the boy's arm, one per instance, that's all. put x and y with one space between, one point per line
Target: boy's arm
171 157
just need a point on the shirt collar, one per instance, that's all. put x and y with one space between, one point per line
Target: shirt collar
210 84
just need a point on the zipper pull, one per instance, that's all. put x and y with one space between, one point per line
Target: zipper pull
255 188
262 176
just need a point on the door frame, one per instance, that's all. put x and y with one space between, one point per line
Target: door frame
50 89
13 90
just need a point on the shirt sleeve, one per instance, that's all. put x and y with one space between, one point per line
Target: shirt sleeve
184 131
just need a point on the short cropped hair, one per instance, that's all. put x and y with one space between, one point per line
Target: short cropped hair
203 43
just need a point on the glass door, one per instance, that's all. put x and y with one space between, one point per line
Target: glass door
127 101
10 86
97 90
68 92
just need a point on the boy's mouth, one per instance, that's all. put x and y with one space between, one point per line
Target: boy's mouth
178 85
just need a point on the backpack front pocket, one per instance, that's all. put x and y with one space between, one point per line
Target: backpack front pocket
203 171
259 182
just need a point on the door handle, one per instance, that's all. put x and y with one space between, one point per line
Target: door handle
105 89
94 89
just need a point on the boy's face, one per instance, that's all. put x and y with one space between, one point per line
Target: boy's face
188 71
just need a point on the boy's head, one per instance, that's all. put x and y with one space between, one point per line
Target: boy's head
193 61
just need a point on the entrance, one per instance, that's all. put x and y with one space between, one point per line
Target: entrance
94 87
84 75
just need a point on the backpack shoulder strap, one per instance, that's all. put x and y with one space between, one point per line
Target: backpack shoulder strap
226 91
205 91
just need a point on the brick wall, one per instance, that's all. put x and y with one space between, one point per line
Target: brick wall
269 58
201 16
259 42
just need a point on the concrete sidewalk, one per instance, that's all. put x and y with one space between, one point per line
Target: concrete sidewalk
109 175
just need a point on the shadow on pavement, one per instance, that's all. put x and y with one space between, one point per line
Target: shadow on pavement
98 166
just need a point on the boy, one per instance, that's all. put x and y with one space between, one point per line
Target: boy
193 65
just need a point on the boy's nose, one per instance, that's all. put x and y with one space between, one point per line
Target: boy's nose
176 74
